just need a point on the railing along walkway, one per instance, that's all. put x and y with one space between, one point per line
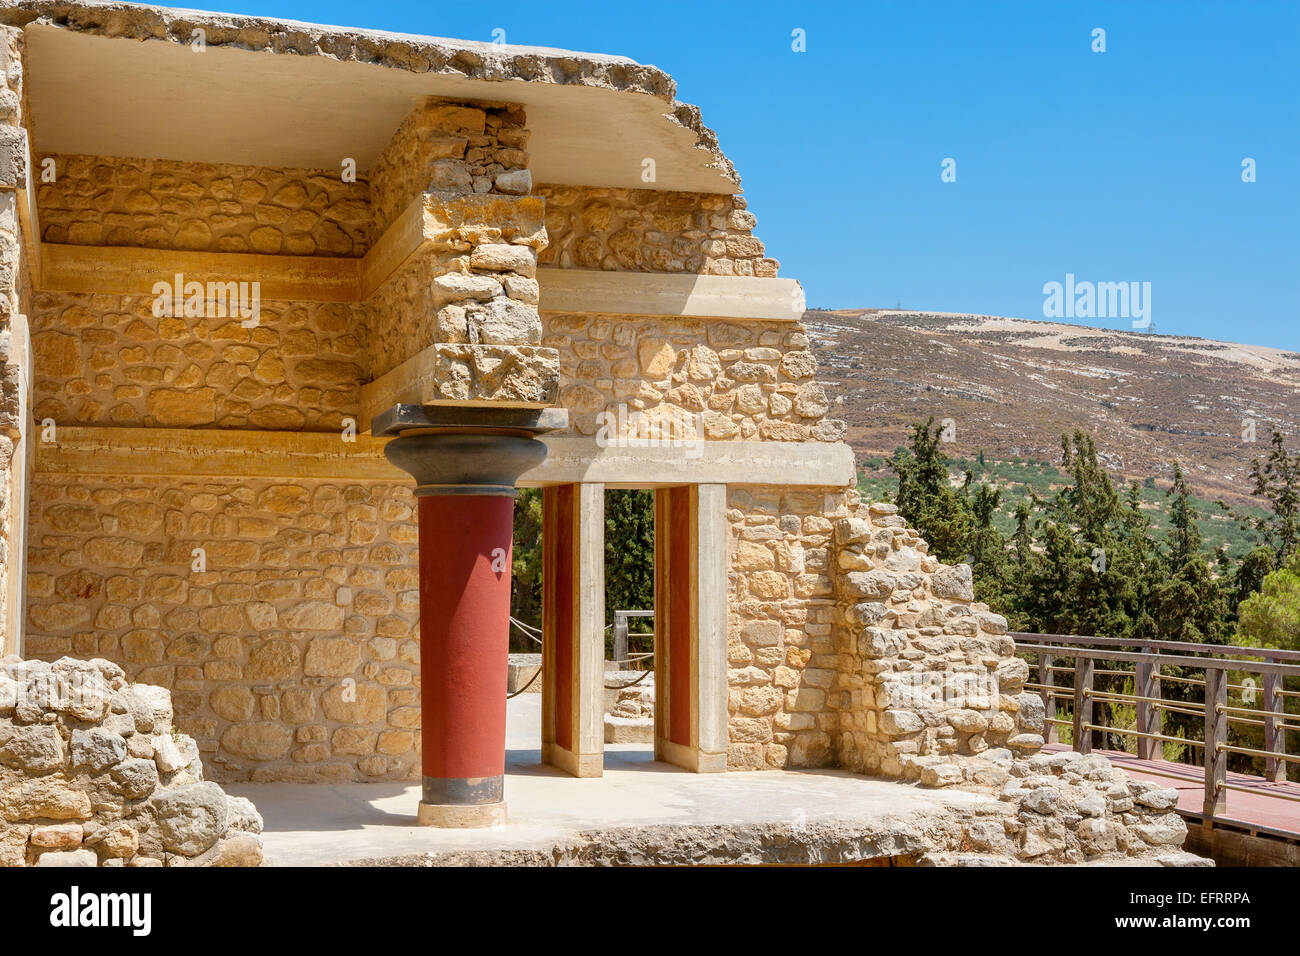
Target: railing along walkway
1268 803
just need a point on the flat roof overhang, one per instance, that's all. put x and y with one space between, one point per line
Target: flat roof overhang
122 80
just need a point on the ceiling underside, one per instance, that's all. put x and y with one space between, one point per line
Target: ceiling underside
160 99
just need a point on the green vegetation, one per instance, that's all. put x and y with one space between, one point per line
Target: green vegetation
526 562
1083 557
1271 616
1021 479
629 559
629 551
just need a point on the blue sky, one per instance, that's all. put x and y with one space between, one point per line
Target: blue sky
1117 166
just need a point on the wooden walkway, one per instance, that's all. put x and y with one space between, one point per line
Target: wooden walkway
1260 810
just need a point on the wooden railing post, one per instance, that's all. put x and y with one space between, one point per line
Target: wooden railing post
1216 737
1274 740
1083 704
1147 684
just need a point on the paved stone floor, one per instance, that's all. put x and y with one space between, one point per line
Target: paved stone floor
314 824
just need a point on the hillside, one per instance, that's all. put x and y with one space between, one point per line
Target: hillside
1012 386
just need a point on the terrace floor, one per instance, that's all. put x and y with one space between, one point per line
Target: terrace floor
751 813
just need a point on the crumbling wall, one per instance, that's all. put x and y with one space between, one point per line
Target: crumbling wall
92 772
925 671
850 646
652 230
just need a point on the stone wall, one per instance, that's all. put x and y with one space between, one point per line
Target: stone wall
15 370
647 230
108 360
293 654
745 381
202 207
451 147
92 773
925 673
781 642
849 645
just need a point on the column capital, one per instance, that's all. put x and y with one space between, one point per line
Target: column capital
466 450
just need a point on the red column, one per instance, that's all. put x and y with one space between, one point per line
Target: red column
465 551
465 461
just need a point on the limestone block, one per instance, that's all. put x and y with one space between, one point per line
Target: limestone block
458 287
257 741
504 321
870 584
150 707
68 858
190 819
57 836
97 749
13 157
517 182
48 797
31 748
955 583
136 777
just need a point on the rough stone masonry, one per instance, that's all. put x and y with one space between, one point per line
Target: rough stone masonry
192 509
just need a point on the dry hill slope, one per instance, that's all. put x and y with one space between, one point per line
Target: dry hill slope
1012 386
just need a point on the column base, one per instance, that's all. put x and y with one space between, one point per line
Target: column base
578 765
462 816
689 758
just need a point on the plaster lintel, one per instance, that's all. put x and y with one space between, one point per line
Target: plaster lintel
126 270
235 454
663 293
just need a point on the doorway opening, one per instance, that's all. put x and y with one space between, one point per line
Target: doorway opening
661 550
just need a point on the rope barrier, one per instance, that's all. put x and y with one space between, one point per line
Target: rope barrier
536 674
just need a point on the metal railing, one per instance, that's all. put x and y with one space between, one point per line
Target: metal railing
1148 658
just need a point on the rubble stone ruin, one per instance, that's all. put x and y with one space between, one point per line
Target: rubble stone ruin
288 312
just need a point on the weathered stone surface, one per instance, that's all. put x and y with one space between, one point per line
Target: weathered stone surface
150 707
501 257
504 321
57 836
955 583
190 819
331 657
68 858
1158 798
44 797
314 616
97 749
31 748
101 754
257 741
